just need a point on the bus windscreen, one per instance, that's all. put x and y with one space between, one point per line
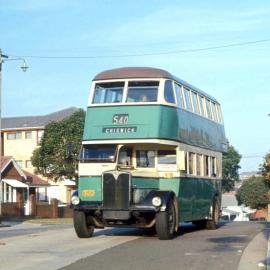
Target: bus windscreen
108 92
142 91
98 153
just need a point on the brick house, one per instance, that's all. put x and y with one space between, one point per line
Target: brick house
20 189
21 136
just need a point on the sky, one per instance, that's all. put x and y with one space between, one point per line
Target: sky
105 32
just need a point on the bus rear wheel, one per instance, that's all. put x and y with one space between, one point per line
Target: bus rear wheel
166 222
83 224
212 224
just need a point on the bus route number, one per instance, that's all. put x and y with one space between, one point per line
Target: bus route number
120 119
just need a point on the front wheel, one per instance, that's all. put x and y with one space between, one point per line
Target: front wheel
83 224
212 223
166 222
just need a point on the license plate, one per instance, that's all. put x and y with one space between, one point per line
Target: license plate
88 193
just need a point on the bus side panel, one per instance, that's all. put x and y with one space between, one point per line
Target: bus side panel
205 191
184 190
90 188
186 198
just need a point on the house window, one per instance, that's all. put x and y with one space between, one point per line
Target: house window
28 164
14 136
40 135
19 162
28 135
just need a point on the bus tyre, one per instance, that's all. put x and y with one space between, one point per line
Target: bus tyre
166 222
212 223
83 224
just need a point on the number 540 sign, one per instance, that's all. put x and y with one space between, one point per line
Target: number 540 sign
120 119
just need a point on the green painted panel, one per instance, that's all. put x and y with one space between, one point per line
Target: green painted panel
141 182
90 188
154 121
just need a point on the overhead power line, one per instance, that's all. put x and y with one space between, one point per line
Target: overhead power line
146 54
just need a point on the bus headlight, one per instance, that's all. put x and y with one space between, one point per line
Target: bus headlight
75 200
156 201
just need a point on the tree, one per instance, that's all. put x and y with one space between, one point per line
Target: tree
265 168
253 193
230 167
58 153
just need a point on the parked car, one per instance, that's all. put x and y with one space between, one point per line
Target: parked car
259 215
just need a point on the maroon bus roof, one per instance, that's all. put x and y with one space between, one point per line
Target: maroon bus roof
133 72
144 72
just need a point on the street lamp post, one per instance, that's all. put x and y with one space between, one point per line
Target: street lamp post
24 67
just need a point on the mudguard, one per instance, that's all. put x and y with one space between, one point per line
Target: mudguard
165 196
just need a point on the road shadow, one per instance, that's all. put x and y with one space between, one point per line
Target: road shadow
184 228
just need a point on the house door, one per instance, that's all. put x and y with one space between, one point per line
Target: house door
26 202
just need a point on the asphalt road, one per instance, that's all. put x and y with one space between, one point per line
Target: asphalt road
31 247
191 249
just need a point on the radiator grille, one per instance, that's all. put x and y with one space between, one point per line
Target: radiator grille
116 190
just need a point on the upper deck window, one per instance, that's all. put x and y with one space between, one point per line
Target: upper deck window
108 92
195 103
142 91
202 106
214 111
208 109
179 95
168 92
98 153
187 99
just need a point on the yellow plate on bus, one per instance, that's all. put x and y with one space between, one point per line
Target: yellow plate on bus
88 193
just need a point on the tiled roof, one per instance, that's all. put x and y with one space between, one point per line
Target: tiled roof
36 180
39 121
4 161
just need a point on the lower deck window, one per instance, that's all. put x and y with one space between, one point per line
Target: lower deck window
98 153
145 158
199 164
191 163
125 157
166 157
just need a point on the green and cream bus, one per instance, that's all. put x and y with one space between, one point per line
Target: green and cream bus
151 154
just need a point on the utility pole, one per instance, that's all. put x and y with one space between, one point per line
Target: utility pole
24 67
2 57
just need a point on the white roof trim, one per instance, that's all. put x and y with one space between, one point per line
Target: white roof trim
20 171
68 182
15 183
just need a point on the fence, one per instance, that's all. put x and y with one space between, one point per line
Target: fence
41 210
11 210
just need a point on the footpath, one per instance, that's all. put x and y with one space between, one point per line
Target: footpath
257 254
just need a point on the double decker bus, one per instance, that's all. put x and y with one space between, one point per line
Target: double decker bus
151 154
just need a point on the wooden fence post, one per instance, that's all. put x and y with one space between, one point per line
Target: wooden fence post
54 208
33 205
